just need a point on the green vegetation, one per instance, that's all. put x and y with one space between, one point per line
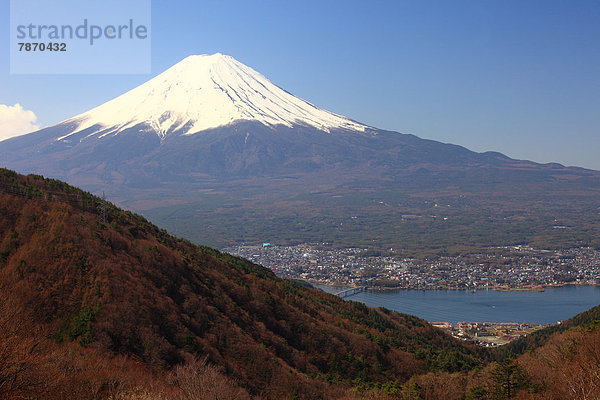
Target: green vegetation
79 327
412 223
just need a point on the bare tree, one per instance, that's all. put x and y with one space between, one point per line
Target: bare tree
17 347
199 380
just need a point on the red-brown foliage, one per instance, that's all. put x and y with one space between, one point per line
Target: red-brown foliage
122 287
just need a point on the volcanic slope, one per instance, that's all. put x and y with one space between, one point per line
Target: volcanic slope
211 142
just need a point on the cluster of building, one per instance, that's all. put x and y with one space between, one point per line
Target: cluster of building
505 268
488 334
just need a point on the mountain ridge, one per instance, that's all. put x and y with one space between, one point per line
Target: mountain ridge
90 274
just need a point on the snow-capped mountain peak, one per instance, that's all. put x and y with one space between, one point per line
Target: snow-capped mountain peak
207 91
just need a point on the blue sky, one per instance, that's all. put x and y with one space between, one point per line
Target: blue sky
519 77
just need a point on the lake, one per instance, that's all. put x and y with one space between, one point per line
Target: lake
548 307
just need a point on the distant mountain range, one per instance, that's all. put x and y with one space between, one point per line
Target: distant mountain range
214 151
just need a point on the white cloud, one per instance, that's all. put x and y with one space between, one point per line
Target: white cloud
16 121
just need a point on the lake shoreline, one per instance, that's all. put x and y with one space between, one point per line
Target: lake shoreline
537 288
488 305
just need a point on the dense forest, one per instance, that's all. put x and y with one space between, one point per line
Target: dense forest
97 303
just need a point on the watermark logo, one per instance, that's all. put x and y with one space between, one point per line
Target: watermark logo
80 37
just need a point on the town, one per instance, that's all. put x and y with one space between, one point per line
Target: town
499 268
488 334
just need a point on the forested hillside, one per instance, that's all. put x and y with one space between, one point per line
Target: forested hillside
97 303
95 300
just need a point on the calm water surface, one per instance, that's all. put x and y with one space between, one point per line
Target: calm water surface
546 307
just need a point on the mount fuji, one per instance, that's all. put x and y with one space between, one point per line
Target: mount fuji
214 151
205 92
